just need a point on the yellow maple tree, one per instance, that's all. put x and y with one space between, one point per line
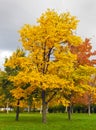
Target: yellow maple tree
49 63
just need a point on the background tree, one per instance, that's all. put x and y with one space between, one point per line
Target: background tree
5 86
86 56
84 52
12 71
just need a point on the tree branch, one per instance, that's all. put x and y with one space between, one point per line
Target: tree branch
51 97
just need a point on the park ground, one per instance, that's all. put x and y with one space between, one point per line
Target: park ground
55 121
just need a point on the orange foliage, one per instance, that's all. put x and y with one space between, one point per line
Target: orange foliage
84 53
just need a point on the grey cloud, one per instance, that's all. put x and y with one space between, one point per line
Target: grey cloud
9 40
15 13
8 29
12 17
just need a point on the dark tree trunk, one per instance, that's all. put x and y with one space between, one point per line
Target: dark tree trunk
69 112
44 107
17 110
29 104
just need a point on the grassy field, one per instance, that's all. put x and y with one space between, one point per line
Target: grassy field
55 122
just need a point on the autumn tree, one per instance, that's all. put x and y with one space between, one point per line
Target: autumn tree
2 94
79 73
44 42
85 56
5 87
13 71
88 98
84 52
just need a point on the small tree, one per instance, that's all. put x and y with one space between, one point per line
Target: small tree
13 71
5 87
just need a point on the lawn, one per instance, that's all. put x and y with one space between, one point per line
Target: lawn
55 122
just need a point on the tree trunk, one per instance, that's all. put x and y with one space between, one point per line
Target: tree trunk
66 109
72 109
69 112
44 107
17 110
7 107
89 109
29 108
29 104
41 110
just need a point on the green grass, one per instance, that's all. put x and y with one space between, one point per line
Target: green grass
55 122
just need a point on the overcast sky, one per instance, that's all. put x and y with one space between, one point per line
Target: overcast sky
15 13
